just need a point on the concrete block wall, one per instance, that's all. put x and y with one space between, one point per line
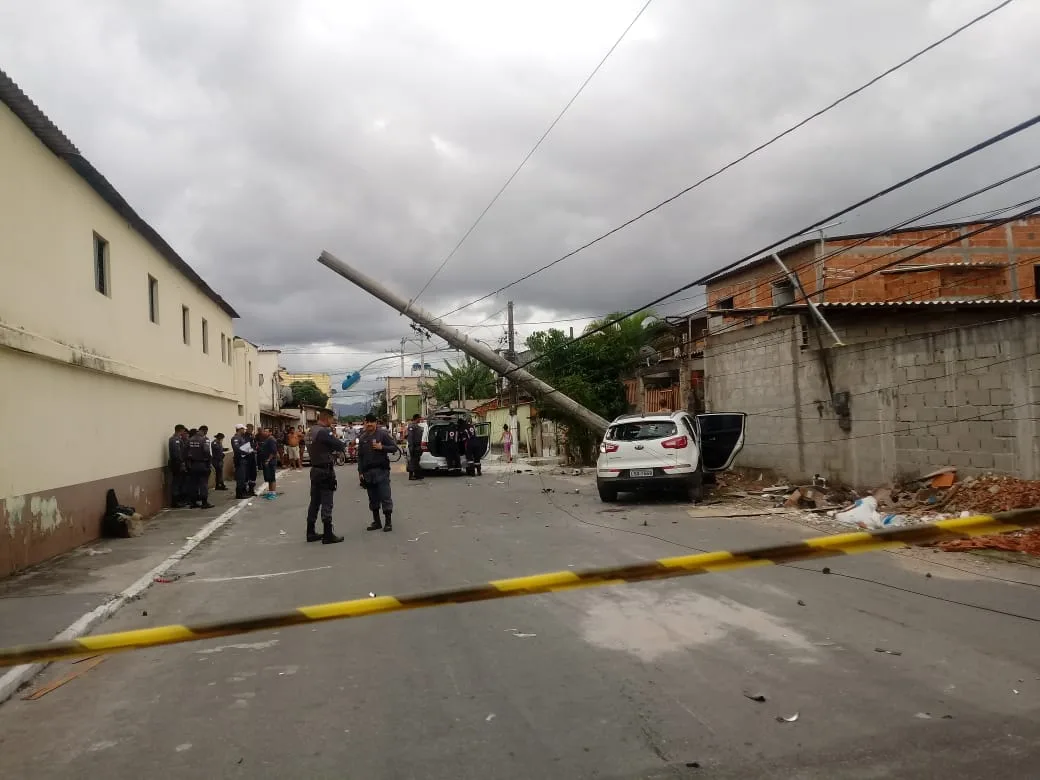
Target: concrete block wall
926 390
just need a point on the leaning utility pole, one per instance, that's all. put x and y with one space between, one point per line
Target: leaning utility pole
478 351
514 390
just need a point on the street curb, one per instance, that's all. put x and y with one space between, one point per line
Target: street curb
19 675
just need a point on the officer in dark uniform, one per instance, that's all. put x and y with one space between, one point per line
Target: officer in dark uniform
217 455
237 442
414 439
175 454
198 458
374 465
474 450
321 444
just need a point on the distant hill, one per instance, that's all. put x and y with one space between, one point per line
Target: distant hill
344 409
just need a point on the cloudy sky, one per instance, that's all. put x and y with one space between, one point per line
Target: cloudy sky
255 133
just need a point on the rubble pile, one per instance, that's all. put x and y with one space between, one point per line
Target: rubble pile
938 495
996 494
1020 541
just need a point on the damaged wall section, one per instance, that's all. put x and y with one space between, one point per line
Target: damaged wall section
925 390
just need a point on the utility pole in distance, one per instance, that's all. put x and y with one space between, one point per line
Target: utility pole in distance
514 389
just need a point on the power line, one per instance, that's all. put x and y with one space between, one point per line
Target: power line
948 161
779 275
534 148
750 153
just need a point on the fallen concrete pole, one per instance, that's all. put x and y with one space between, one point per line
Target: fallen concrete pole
544 392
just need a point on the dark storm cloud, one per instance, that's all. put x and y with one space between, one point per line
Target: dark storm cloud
255 134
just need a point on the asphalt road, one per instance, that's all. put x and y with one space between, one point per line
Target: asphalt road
643 681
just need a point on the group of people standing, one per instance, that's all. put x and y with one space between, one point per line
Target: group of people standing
255 453
192 454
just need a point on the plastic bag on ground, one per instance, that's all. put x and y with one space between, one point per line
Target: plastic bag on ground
864 514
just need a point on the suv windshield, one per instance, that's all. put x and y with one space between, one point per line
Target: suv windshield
641 430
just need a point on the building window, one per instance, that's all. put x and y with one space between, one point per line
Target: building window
724 303
249 373
186 324
102 277
223 348
205 336
153 299
241 410
1036 282
783 293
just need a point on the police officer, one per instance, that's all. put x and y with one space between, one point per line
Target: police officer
374 466
175 454
414 439
217 455
321 445
237 442
198 457
474 450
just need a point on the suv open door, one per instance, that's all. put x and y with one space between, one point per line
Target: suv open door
721 437
483 438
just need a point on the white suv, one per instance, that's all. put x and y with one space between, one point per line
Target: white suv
667 450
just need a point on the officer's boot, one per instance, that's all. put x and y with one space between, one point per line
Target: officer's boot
388 525
329 537
312 532
376 522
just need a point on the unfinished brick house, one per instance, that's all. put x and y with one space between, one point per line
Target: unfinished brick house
998 264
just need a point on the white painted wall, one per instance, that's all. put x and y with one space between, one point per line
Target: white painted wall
246 384
267 367
77 426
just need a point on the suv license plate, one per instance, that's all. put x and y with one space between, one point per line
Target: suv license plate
641 473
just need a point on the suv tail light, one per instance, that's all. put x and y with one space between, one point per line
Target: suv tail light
425 446
676 443
605 447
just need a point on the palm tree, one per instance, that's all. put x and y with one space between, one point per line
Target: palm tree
631 333
469 375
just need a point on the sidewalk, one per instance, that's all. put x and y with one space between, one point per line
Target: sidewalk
71 593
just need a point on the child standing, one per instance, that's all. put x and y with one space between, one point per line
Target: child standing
507 443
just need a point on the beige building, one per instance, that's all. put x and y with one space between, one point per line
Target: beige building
107 339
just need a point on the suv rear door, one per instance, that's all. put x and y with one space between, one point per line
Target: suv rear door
720 436
483 438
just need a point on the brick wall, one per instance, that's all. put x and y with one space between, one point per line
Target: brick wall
926 390
1016 246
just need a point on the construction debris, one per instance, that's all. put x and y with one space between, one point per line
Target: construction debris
1027 542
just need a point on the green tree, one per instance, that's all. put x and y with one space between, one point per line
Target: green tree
631 334
590 371
307 392
379 405
470 374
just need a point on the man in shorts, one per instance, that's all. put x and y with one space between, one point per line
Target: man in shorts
292 447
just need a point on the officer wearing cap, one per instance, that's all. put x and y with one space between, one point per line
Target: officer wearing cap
414 439
374 466
238 442
321 444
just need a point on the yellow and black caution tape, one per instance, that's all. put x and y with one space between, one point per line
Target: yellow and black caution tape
663 568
